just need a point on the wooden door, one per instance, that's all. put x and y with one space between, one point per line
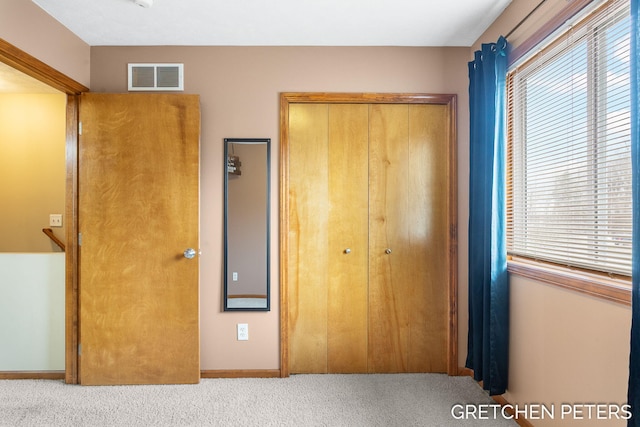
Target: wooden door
409 251
328 238
308 231
390 276
430 249
138 212
378 178
347 298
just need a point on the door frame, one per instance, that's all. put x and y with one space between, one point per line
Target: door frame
450 100
31 66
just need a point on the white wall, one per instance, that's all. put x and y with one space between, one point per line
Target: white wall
32 312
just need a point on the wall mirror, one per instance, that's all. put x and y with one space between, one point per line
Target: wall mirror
246 224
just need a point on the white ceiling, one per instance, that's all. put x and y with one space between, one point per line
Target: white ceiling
277 22
259 23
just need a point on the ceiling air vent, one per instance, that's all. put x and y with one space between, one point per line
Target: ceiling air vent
158 77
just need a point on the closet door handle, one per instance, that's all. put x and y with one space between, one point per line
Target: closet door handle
387 251
347 251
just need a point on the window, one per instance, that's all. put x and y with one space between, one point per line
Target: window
569 156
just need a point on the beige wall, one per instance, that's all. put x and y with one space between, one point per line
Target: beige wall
239 89
29 28
32 170
565 347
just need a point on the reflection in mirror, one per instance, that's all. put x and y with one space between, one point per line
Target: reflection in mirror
246 224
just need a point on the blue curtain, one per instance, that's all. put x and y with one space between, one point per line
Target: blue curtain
634 358
488 342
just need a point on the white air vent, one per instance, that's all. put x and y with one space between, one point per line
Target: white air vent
158 77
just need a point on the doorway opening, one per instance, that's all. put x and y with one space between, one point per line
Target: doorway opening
17 60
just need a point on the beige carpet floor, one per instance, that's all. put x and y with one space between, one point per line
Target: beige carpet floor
301 400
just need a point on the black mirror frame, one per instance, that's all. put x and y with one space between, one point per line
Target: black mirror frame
227 142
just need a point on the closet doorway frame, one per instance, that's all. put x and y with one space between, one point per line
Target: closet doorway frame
449 100
31 66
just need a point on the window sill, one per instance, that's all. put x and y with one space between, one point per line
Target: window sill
599 286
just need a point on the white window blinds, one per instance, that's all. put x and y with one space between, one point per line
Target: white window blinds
569 161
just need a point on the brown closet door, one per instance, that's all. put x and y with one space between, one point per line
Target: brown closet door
308 237
429 256
408 277
348 239
368 241
328 235
391 282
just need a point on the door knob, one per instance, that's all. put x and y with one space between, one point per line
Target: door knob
387 251
347 251
190 253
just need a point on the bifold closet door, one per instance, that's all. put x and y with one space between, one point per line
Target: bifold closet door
391 281
429 236
348 239
328 235
368 238
408 243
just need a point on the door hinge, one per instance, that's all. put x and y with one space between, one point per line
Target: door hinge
79 128
453 232
79 239
79 349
